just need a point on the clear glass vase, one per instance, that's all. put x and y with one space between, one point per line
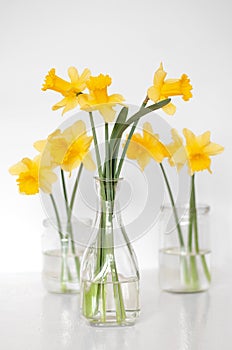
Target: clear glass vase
184 255
109 272
61 259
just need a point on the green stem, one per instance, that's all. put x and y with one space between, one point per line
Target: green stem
75 189
195 215
65 274
205 267
98 158
77 261
193 261
63 240
57 215
181 240
69 209
128 141
191 210
203 260
107 162
64 189
125 149
118 297
179 231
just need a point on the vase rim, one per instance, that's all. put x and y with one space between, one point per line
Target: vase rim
104 180
202 208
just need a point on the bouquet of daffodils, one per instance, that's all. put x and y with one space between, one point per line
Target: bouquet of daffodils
69 149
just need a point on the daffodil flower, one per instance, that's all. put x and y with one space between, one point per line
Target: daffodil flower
199 150
177 151
70 90
144 147
98 98
68 149
163 89
32 176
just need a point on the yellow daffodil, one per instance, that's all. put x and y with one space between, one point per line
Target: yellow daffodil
68 149
98 98
199 149
78 148
177 151
51 151
144 147
70 90
32 176
163 89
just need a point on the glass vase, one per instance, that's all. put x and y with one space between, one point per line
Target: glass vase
109 272
184 255
61 259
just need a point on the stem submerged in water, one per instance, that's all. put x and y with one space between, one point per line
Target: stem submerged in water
63 241
195 226
183 259
69 208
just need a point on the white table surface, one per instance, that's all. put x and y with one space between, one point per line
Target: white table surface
32 319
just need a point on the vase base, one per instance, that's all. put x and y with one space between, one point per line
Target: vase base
184 272
110 321
53 285
181 291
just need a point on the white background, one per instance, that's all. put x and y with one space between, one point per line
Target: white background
126 39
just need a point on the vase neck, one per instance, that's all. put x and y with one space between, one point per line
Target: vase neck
107 191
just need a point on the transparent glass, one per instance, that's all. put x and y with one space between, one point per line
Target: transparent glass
61 260
184 255
109 272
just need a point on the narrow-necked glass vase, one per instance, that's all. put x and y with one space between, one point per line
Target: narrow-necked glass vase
184 255
109 271
61 258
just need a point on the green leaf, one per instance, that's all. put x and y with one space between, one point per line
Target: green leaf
119 121
114 144
143 111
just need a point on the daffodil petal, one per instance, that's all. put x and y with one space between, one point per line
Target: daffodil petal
204 139
85 75
74 131
189 135
143 160
40 145
46 179
170 108
73 74
88 162
107 112
153 93
60 104
71 103
83 101
132 151
159 76
17 168
147 127
116 98
213 149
